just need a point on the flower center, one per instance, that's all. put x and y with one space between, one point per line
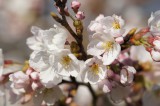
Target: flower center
95 68
66 60
107 45
116 25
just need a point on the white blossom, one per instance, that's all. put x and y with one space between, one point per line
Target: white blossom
110 24
68 64
94 70
104 44
51 39
45 63
154 23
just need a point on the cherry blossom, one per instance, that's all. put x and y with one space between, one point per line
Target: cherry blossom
51 39
104 45
110 24
154 23
94 70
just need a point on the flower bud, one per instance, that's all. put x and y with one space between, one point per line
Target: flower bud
34 75
75 6
119 40
19 79
34 85
29 71
80 15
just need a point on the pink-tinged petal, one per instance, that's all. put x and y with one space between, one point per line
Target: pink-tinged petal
124 77
130 77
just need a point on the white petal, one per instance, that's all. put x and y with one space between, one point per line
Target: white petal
111 55
39 60
49 77
92 48
155 55
92 77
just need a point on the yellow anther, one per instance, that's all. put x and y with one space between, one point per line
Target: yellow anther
116 25
95 68
108 45
66 60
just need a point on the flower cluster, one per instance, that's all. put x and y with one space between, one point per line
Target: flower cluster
106 62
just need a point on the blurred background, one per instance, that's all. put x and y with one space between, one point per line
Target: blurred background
17 17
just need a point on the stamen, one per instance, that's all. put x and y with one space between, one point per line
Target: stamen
116 25
108 45
95 68
66 60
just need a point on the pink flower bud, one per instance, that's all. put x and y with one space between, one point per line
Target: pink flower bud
29 71
34 86
119 40
150 40
80 15
145 30
59 10
34 75
75 5
123 56
66 11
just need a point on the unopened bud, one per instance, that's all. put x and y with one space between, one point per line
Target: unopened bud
145 30
74 47
80 15
34 85
34 75
75 6
66 11
119 40
130 34
29 71
55 16
77 23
